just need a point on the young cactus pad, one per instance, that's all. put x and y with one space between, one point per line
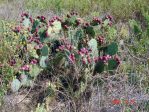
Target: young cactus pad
15 85
45 50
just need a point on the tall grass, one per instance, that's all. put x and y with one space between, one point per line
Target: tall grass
121 9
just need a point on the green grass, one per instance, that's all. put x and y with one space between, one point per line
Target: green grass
2 1
121 9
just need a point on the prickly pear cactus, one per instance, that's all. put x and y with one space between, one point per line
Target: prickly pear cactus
15 85
68 44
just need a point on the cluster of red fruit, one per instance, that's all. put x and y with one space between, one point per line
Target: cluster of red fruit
42 18
55 18
12 62
85 55
127 102
110 19
73 13
97 20
105 58
26 16
100 39
37 41
27 67
17 29
68 47
117 59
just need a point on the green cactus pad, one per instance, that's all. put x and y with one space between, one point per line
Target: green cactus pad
32 51
35 70
35 25
79 34
26 22
99 67
15 85
112 64
24 79
45 50
59 59
105 23
55 28
43 61
90 31
72 20
93 45
111 49
42 34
